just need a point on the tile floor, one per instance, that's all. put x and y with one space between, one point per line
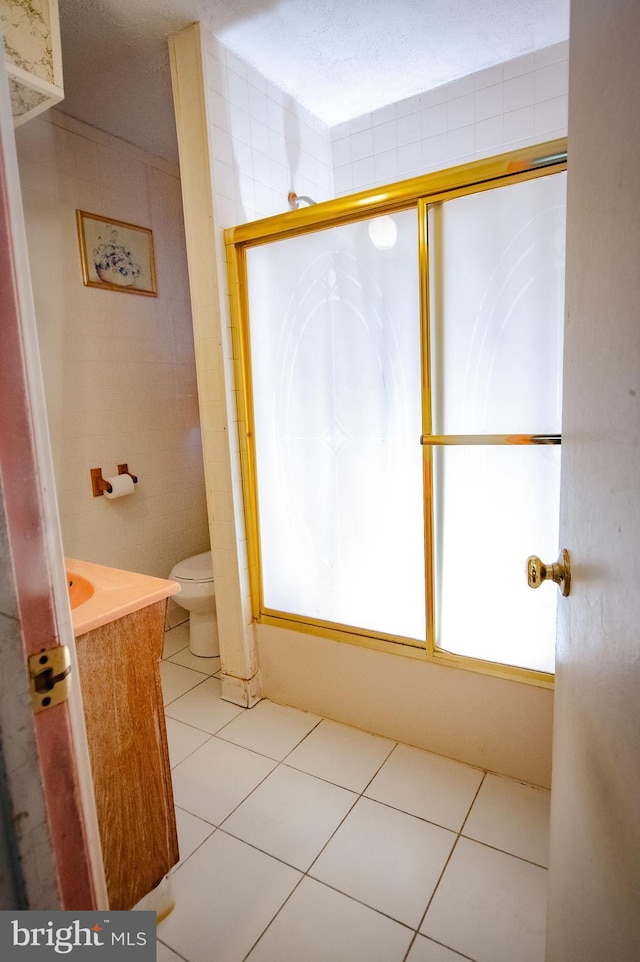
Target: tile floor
303 840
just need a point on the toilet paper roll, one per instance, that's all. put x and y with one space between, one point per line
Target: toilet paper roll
121 485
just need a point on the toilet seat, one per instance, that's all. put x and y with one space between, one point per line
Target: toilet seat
197 568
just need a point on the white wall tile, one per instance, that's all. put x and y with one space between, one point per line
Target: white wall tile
362 144
519 125
550 115
434 151
258 103
341 151
384 114
432 97
360 123
409 128
385 137
518 92
224 178
434 120
460 111
409 159
343 179
489 102
363 173
237 90
218 110
259 135
552 54
385 166
518 66
490 134
411 105
461 142
552 81
488 77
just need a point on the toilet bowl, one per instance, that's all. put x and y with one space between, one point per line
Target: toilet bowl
195 577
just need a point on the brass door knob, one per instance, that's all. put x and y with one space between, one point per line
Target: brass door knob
560 572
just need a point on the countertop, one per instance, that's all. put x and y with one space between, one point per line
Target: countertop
116 593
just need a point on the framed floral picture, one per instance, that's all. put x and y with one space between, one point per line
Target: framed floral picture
116 256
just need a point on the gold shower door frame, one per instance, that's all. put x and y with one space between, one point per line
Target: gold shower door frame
418 193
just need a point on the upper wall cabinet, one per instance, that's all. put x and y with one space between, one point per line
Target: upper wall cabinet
31 33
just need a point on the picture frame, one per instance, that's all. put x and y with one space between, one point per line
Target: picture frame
115 255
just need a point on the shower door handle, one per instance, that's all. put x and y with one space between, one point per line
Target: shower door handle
559 572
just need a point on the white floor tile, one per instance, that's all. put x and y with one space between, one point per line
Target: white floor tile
203 707
207 666
175 640
424 950
387 859
513 817
340 754
320 925
432 787
183 739
270 729
177 680
226 895
490 906
291 815
165 954
215 778
192 832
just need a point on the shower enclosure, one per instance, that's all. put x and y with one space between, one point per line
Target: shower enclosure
400 363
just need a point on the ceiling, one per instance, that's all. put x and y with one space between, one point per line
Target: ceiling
338 58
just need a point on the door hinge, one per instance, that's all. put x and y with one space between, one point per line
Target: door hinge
49 670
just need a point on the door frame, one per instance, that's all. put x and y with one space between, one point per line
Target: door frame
54 825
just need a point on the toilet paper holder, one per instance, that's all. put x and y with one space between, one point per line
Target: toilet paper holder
98 483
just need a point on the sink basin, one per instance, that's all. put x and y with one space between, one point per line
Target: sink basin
99 595
80 589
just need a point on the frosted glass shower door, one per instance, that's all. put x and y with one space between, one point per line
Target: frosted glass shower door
336 385
497 318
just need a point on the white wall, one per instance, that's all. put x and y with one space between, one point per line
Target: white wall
498 724
119 369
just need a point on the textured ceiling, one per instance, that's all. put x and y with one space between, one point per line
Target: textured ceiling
339 58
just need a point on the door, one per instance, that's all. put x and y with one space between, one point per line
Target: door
595 831
48 785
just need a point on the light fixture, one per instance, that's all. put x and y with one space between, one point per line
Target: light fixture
383 232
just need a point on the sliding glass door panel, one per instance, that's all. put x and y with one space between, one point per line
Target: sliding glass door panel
335 371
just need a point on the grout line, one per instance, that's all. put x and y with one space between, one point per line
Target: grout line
446 864
193 687
167 946
503 851
270 923
358 795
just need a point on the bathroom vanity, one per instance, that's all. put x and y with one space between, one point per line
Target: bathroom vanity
119 631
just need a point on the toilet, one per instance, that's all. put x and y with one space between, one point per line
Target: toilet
195 577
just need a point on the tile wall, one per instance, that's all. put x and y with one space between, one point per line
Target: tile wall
263 143
119 369
512 105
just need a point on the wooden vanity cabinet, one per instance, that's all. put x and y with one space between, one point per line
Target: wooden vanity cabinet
124 715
